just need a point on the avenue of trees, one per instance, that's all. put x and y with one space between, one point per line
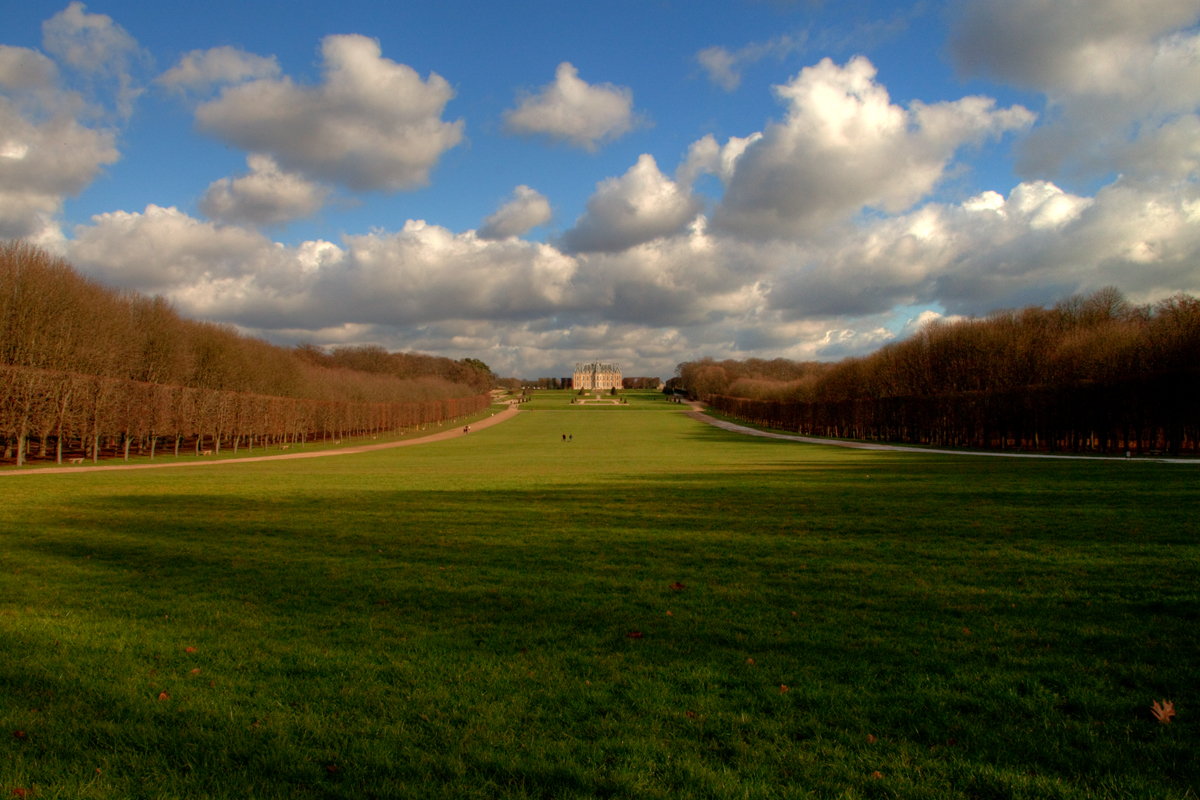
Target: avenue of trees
1092 373
86 371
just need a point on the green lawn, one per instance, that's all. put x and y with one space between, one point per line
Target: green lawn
454 620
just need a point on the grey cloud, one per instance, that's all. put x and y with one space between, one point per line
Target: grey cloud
527 209
1121 78
1061 44
45 154
266 196
200 70
724 67
98 48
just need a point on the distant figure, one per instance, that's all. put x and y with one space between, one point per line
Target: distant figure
571 438
564 437
466 429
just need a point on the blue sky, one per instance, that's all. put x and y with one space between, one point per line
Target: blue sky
536 184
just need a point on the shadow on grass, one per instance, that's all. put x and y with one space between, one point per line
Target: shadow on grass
996 620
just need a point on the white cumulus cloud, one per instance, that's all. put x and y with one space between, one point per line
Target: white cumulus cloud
371 124
265 196
641 205
844 146
574 111
527 209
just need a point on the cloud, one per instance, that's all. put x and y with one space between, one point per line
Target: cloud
1122 80
527 209
266 196
574 111
990 251
641 205
420 274
200 70
844 146
1074 45
706 156
371 124
97 47
724 67
45 154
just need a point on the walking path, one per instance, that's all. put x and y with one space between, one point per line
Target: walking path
453 433
697 414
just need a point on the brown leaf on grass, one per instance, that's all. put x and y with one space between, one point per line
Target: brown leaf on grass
190 650
677 586
690 714
967 631
19 792
20 735
331 767
669 614
750 662
783 688
196 671
1164 712
877 775
164 696
871 739
634 635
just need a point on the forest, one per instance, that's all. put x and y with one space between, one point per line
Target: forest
1092 373
89 371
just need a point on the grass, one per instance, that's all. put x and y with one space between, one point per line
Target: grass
453 621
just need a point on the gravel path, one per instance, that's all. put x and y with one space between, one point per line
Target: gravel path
453 433
697 414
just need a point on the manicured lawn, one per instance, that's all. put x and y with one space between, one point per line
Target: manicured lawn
454 620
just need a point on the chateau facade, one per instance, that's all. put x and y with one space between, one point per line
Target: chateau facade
597 376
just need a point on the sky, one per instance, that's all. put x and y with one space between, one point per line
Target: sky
535 184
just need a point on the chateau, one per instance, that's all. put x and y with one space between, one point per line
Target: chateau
597 376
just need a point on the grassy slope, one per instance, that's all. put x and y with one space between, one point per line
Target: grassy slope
452 620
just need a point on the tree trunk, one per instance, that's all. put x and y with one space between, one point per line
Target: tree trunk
153 442
126 446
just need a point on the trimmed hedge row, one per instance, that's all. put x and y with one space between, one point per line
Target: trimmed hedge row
1159 412
85 415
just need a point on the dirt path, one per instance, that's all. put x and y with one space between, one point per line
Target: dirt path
453 433
697 414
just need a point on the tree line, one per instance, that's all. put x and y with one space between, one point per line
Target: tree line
1092 373
85 366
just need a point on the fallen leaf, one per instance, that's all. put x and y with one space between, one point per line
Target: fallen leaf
19 792
331 767
677 586
1164 712
20 734
164 696
794 614
690 714
967 631
669 614
877 775
871 739
190 650
750 662
783 688
196 671
634 635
